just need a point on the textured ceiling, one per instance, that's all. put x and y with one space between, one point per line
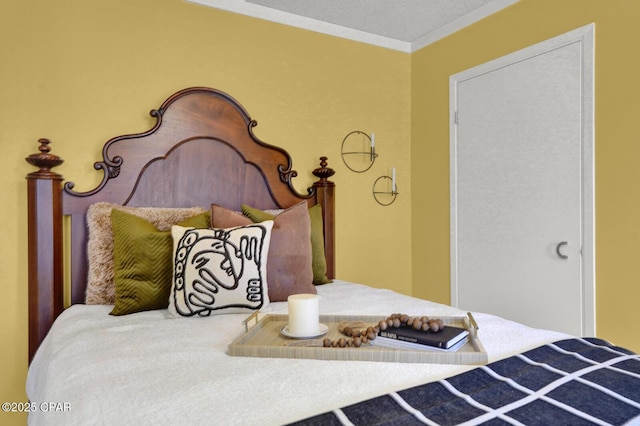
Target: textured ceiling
404 25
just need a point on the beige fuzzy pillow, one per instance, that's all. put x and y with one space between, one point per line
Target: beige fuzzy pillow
100 287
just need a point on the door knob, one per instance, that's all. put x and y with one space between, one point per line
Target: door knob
559 253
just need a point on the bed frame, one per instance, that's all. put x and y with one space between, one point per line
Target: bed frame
201 150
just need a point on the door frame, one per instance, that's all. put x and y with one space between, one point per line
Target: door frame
586 37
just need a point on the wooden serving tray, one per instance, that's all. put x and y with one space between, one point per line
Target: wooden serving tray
265 340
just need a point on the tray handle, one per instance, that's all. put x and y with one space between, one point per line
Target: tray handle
473 323
249 319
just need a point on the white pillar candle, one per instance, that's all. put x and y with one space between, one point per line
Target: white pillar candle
304 317
393 180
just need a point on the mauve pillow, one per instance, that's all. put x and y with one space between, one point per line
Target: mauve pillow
318 258
289 261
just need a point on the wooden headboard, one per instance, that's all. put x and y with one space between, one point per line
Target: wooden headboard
201 150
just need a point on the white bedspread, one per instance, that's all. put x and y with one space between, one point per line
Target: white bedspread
147 369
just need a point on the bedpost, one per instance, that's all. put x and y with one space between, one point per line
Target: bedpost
45 244
324 190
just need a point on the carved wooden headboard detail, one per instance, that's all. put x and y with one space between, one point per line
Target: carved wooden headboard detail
201 150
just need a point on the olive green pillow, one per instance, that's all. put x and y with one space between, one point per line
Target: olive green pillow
318 259
143 261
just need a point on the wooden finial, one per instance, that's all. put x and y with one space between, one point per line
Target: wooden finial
323 172
44 160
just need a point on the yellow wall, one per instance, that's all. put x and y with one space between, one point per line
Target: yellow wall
81 72
617 149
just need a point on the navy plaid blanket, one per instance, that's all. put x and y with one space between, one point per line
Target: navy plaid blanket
582 381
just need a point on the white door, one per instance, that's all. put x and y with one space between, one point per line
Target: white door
522 186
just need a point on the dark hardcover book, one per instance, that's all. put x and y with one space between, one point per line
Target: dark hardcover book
401 344
444 339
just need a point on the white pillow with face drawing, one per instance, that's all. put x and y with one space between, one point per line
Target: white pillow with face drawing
217 271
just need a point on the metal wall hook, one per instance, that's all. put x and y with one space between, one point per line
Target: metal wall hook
558 252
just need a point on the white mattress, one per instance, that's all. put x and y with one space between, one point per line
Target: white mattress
148 369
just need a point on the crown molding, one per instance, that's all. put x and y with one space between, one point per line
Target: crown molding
274 15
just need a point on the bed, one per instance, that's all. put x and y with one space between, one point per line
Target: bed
107 347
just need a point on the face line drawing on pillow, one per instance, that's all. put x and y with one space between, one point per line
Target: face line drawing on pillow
220 266
217 251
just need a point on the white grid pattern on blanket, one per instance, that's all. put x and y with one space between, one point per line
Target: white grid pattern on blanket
531 395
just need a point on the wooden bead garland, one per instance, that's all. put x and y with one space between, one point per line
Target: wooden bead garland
359 333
